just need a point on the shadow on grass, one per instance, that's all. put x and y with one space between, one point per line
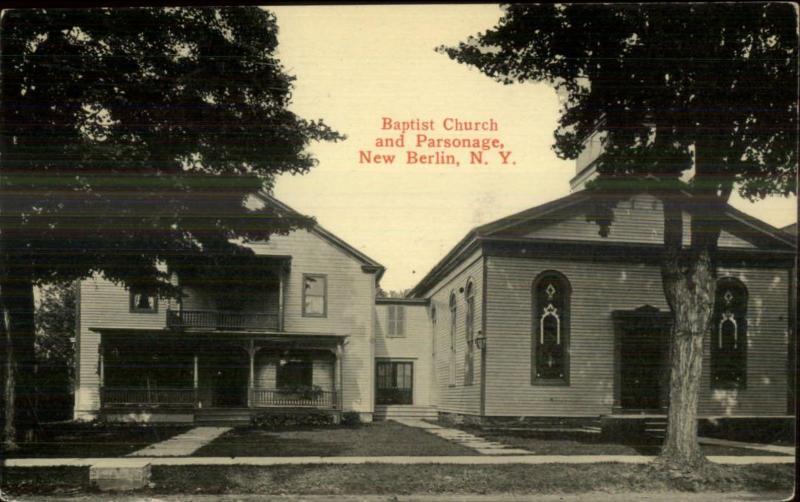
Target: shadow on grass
92 439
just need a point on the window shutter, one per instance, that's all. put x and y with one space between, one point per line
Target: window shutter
391 321
400 325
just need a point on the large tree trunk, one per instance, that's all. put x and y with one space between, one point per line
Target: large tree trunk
689 282
16 306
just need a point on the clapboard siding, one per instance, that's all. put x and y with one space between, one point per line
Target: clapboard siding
104 304
597 290
639 219
457 398
351 293
767 349
414 346
351 296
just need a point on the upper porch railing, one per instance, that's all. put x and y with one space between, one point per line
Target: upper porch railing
222 320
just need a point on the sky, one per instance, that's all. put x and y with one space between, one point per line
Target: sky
356 67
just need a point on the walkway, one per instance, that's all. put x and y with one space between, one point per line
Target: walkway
477 443
183 444
460 460
786 450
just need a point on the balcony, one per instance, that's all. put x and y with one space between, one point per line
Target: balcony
223 320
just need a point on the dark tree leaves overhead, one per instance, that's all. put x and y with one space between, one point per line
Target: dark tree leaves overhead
667 81
132 136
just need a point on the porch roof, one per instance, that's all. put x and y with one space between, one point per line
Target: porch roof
267 336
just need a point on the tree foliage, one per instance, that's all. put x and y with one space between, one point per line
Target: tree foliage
667 82
55 319
131 136
130 140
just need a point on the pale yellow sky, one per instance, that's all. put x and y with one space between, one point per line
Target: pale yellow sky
357 64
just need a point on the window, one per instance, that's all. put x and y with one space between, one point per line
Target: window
294 373
729 336
143 300
396 316
470 333
551 298
453 313
394 383
315 293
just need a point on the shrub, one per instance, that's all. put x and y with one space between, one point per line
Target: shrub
309 392
351 418
269 420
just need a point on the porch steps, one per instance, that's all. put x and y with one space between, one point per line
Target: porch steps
224 416
656 427
405 411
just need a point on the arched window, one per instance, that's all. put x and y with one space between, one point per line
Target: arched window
469 320
729 335
551 302
453 315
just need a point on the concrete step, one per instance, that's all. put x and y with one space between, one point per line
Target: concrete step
419 412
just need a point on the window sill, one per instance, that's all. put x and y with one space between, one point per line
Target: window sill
554 382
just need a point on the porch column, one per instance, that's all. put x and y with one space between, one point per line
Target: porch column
251 377
101 366
338 378
281 282
196 381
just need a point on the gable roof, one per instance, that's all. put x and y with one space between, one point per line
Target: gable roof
367 263
554 210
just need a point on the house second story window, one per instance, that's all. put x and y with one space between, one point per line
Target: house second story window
729 336
551 303
143 300
396 320
315 295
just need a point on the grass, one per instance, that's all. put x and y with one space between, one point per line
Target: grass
461 479
374 439
92 440
51 480
584 443
416 479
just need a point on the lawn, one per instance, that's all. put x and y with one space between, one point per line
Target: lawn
93 440
586 443
416 479
374 439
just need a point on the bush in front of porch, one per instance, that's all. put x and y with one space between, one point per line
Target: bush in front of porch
275 421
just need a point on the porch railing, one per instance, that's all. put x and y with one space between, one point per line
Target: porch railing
222 320
268 398
129 396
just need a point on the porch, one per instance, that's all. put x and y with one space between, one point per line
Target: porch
184 374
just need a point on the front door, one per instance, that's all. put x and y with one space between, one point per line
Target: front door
642 368
229 377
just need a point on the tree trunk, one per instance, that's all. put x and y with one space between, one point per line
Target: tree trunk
689 282
16 303
9 384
